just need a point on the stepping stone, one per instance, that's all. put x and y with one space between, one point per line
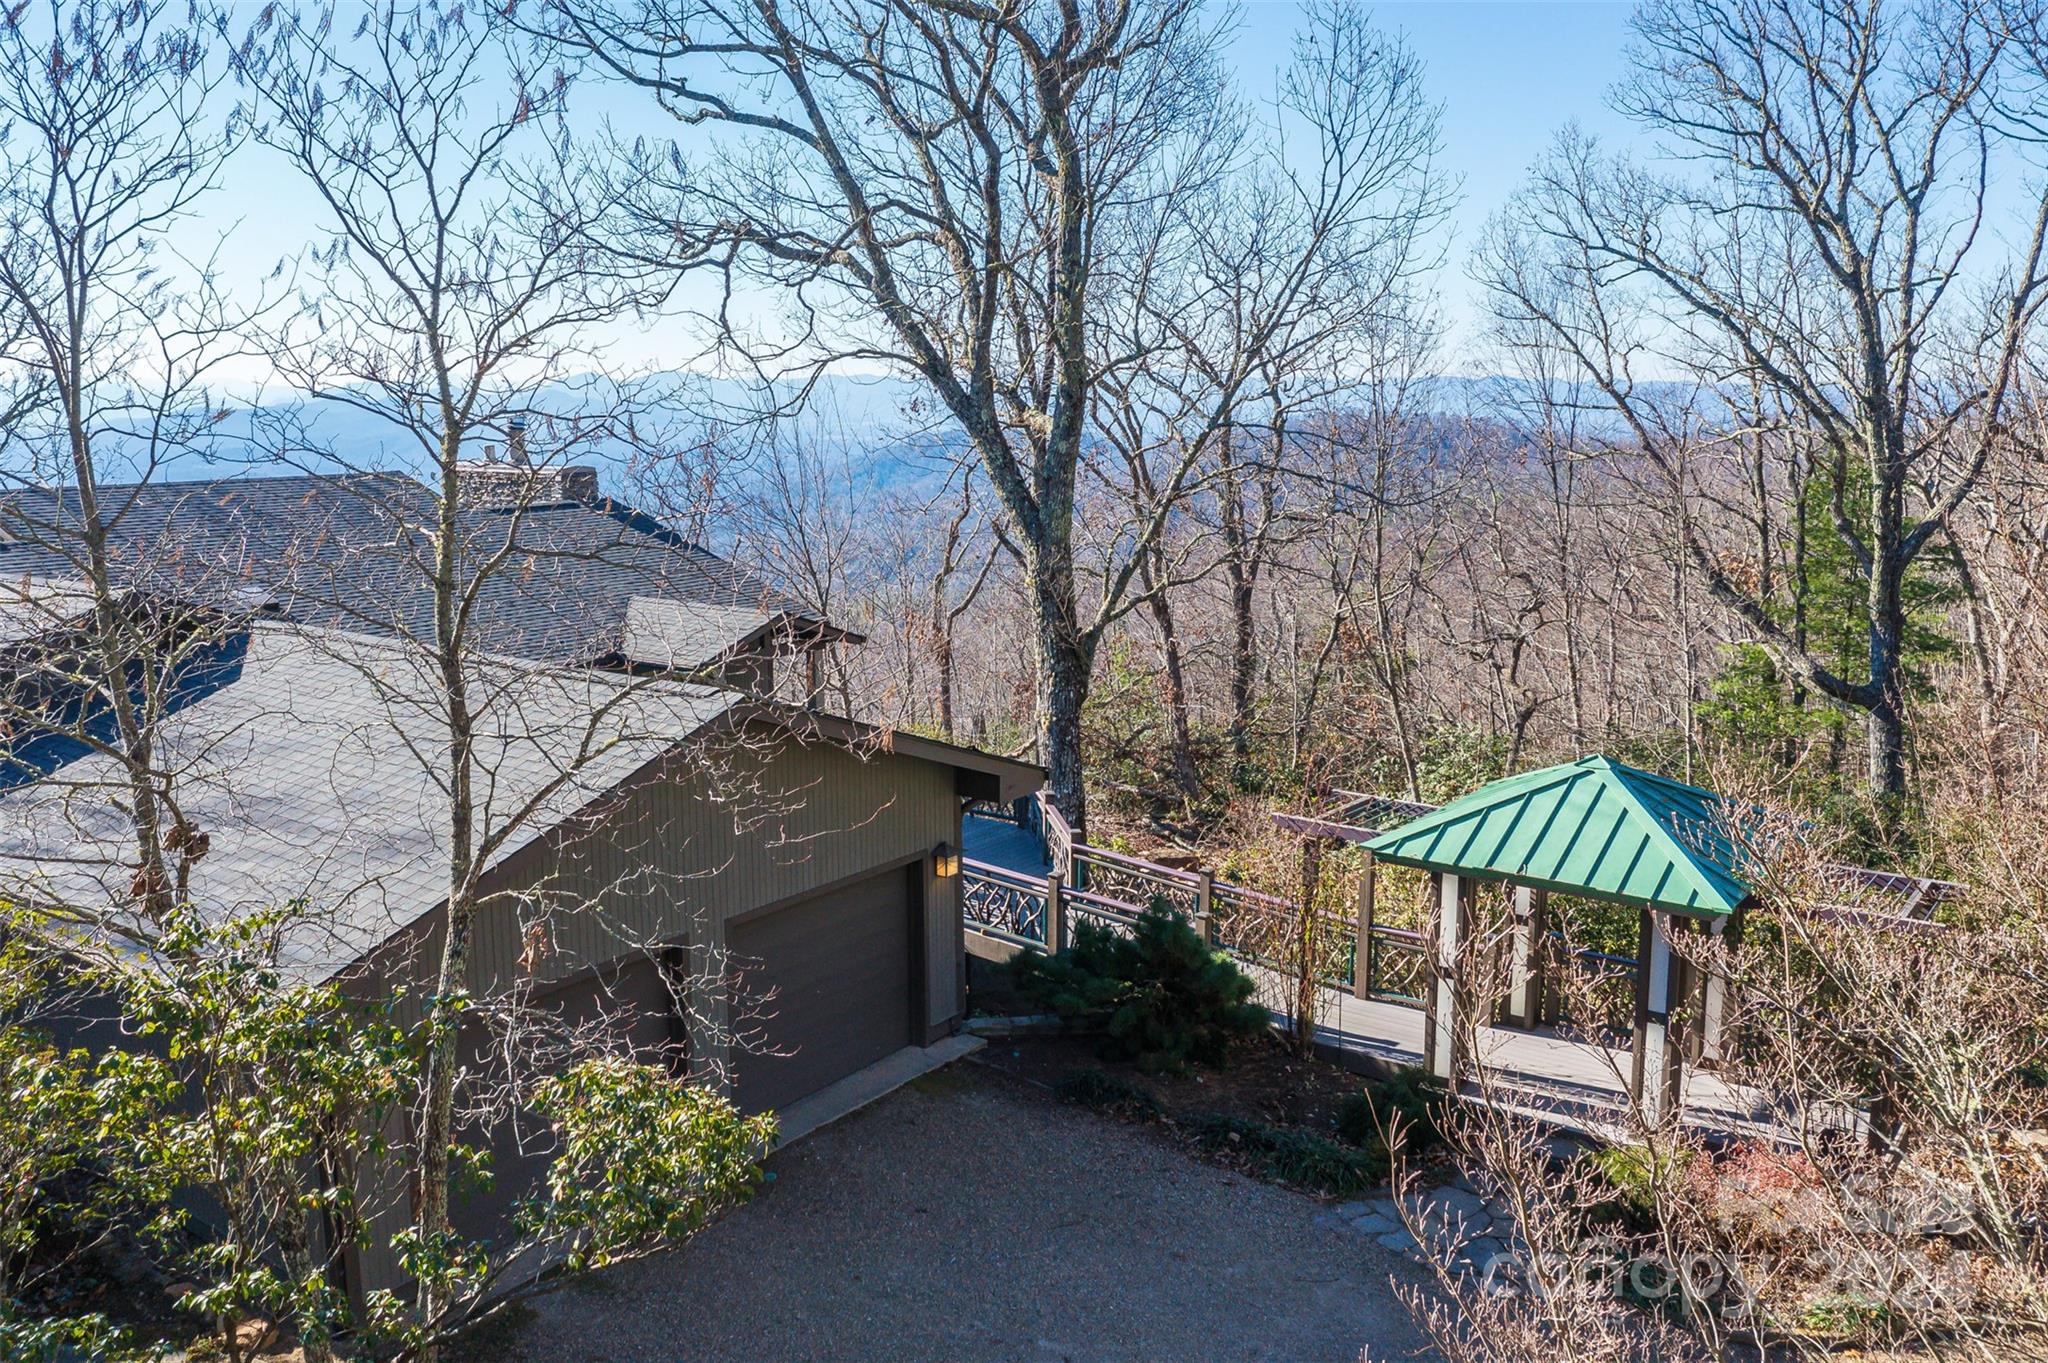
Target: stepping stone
1453 1202
1563 1149
1401 1242
1478 1256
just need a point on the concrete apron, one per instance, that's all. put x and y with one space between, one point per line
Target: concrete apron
864 1086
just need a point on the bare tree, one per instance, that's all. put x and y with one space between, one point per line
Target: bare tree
112 137
968 192
453 294
1834 260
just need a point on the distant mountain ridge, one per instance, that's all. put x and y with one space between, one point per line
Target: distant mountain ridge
890 431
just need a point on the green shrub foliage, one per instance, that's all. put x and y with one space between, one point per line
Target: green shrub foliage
1409 1108
1164 1000
645 1160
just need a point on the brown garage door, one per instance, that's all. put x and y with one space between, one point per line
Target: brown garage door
825 988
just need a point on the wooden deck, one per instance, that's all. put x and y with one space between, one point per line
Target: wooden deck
1004 844
1563 1080
1554 1077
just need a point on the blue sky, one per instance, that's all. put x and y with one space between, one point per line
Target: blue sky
1509 74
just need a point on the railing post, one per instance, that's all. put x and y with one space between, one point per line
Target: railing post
1205 906
1525 975
1055 915
1361 942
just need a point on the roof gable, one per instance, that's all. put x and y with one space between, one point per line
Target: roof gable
1594 827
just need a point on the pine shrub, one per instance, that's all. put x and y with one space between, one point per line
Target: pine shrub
1161 997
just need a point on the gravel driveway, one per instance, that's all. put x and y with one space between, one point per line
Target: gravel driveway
966 1218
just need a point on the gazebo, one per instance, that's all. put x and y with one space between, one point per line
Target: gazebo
1594 829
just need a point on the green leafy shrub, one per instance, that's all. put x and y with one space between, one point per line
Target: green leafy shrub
1409 1106
1105 1092
1633 1174
646 1159
1843 1316
30 1339
1290 1155
1162 998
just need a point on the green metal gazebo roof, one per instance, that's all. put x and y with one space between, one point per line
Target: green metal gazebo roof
1593 827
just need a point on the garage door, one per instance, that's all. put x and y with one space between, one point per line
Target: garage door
825 989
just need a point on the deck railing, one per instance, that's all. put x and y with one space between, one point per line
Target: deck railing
1112 888
1004 904
1612 978
999 810
1042 817
1397 964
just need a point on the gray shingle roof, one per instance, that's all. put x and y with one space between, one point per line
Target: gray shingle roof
317 776
348 552
685 635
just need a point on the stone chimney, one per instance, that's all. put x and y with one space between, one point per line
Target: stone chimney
494 484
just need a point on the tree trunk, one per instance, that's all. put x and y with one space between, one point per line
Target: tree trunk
1887 733
1885 724
1066 691
1065 664
945 683
1181 731
437 1116
1244 662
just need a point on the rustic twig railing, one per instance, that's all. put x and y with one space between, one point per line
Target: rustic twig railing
1052 828
1037 913
1000 903
1397 964
1113 888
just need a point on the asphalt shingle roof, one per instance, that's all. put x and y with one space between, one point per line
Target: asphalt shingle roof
317 775
349 552
684 635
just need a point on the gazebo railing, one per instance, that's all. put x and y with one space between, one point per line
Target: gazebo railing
1397 965
1610 987
1096 884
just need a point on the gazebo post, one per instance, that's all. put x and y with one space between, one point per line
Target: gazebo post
1525 983
1361 940
1656 1072
1440 1022
1714 1004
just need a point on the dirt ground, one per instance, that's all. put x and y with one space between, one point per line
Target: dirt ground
1262 1082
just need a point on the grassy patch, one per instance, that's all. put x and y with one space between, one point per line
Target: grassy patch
1409 1106
1633 1174
1106 1092
1288 1155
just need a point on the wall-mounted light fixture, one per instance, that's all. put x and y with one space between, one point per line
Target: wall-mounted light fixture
945 861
